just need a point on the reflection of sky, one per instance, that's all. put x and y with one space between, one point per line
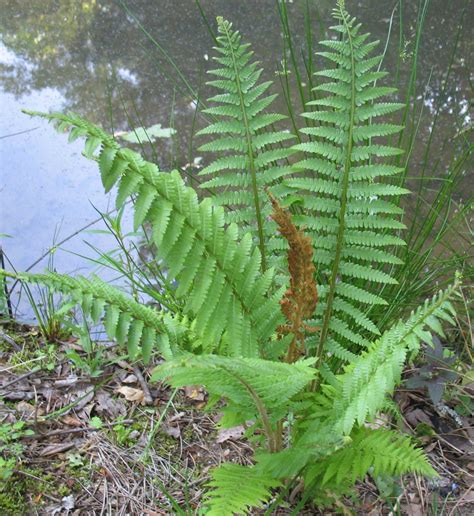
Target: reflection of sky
47 188
6 56
44 181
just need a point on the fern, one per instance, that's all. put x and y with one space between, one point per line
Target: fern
347 206
237 489
252 387
125 320
380 451
329 440
366 382
243 130
191 238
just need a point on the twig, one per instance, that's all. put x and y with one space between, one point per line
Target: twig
8 339
19 378
76 430
458 503
147 398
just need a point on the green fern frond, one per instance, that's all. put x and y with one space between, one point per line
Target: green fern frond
202 253
138 326
248 384
341 184
380 451
371 376
237 489
253 162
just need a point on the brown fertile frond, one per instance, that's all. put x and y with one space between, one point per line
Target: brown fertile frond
300 300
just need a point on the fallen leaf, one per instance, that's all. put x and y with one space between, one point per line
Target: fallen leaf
225 434
417 416
468 497
67 504
54 449
131 394
17 395
72 421
66 382
27 410
177 416
414 509
131 378
173 431
106 404
84 396
194 392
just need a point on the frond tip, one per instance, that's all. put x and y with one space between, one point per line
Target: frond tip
244 132
373 375
141 328
344 191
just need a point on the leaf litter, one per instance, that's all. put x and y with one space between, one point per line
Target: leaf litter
89 452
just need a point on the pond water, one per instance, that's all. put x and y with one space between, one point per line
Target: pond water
94 57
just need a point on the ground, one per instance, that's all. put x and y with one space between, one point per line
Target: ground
80 438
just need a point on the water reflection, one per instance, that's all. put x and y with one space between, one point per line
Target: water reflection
92 57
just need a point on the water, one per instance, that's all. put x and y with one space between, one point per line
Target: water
90 56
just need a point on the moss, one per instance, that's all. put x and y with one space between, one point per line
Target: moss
13 497
17 493
166 442
188 434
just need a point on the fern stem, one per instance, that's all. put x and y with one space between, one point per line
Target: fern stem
342 212
248 137
272 437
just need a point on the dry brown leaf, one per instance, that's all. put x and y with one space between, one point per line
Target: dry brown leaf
177 416
54 449
106 404
131 378
66 382
85 395
27 410
468 497
194 392
413 509
72 421
173 431
416 416
131 394
225 434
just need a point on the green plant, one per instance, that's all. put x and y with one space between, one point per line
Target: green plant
435 373
51 311
11 449
311 374
5 305
75 460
